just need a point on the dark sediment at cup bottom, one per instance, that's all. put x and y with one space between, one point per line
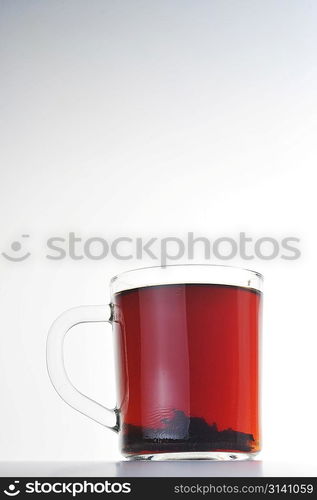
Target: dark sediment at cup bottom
182 433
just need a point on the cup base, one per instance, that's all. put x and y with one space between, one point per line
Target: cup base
194 455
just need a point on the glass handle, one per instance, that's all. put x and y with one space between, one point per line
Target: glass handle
56 367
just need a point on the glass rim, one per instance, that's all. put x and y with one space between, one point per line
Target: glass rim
216 267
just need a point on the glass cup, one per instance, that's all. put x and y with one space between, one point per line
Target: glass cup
187 357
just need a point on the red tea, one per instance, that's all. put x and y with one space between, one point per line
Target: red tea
188 368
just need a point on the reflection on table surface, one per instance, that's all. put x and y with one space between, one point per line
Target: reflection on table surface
192 468
187 468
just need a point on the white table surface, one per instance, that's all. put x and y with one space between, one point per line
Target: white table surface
194 468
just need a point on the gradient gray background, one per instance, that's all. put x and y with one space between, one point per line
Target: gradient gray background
152 117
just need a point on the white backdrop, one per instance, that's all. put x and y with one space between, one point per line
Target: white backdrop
152 118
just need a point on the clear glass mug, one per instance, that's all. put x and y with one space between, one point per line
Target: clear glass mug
187 355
